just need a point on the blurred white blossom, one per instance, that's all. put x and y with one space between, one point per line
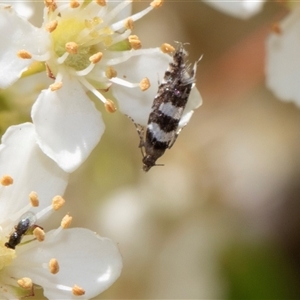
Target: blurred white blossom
64 262
242 9
282 61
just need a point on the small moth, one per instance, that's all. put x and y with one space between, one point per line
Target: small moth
167 109
25 224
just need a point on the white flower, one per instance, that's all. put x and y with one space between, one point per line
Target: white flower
86 47
243 9
283 63
68 262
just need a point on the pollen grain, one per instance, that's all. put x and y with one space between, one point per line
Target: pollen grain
144 84
58 202
167 48
25 283
6 180
77 290
24 54
53 266
34 199
66 221
39 234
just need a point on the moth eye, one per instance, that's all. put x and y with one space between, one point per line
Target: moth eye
177 93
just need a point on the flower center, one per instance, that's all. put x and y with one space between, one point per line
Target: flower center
6 255
68 31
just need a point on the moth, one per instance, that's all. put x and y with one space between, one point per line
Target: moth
167 109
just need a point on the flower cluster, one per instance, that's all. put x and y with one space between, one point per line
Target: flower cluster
30 191
86 47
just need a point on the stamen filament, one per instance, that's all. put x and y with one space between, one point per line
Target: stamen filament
92 89
120 24
86 70
62 59
123 82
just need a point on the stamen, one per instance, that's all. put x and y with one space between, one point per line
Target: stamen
53 266
74 4
61 59
66 221
51 5
49 72
6 180
144 84
71 47
96 57
92 89
110 72
50 27
118 25
25 283
128 24
34 200
39 234
101 2
24 54
110 106
156 3
85 71
58 202
167 48
123 82
77 290
55 86
134 42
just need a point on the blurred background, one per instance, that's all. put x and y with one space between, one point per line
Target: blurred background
220 219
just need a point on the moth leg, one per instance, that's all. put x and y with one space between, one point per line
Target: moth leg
140 130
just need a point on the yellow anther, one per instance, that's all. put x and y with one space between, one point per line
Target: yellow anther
110 106
25 283
34 199
53 266
156 3
134 42
39 234
101 2
128 24
50 27
50 4
55 86
66 221
74 4
167 48
24 54
71 47
96 57
110 72
6 180
77 290
58 202
144 84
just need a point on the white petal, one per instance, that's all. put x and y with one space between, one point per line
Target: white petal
31 169
25 10
283 63
243 9
17 34
67 124
85 259
195 100
133 102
